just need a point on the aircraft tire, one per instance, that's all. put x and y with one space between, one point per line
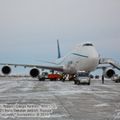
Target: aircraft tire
78 82
75 82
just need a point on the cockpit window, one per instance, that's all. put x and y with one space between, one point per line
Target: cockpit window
87 44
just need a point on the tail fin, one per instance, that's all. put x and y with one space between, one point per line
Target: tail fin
58 47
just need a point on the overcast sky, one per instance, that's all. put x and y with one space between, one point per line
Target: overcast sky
29 28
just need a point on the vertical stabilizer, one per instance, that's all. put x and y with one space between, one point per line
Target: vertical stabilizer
58 47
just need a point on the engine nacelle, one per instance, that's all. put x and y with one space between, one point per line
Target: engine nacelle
109 72
34 72
6 70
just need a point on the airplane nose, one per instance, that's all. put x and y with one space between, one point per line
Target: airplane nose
93 63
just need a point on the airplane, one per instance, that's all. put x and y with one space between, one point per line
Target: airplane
84 57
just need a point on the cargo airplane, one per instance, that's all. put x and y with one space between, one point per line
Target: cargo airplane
82 58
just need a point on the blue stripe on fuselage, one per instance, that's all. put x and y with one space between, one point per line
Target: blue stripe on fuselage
80 55
72 54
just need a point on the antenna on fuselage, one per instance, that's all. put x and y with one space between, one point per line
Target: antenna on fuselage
58 48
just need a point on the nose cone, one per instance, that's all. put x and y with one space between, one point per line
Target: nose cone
93 57
92 52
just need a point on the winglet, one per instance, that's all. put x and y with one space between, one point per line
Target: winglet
58 47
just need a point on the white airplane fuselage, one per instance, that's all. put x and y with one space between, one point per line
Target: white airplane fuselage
83 58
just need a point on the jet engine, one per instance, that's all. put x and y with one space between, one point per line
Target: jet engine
34 72
6 70
109 72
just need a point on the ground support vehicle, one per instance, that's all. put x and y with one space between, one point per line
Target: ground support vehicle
82 78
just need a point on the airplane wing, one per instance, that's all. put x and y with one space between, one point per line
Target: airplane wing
56 68
103 66
110 62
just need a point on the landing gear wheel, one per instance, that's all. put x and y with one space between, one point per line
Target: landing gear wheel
75 82
41 79
78 82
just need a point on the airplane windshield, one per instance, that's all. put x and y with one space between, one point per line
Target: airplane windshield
87 44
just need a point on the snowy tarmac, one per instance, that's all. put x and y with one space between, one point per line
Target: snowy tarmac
29 99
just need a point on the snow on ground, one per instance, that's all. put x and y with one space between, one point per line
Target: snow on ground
73 102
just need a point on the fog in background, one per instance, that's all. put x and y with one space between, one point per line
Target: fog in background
29 28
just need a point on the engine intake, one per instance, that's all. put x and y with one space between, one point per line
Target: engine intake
6 70
34 72
109 73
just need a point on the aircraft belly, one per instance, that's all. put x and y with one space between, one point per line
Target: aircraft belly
88 65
